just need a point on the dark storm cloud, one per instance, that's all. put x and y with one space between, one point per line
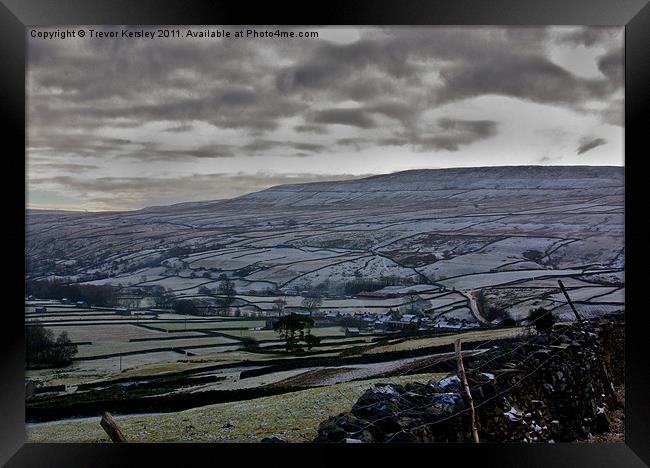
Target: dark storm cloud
93 83
331 63
195 101
587 144
475 61
238 85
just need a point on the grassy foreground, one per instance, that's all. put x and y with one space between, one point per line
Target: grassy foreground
292 416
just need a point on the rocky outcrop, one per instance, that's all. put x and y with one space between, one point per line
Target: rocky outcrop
551 387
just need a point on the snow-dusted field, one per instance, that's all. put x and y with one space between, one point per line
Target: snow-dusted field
511 231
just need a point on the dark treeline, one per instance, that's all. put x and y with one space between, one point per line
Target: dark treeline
44 350
367 285
101 295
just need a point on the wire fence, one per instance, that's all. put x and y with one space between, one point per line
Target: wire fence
522 358
465 410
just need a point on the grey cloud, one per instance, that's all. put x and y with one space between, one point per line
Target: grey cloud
62 166
612 65
89 146
353 117
356 143
153 152
475 61
480 128
318 129
313 147
179 128
588 36
531 78
450 135
458 133
587 144
613 113
396 110
396 77
261 145
135 192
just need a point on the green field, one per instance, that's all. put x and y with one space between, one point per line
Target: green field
291 416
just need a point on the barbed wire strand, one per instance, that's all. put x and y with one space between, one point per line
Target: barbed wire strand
431 404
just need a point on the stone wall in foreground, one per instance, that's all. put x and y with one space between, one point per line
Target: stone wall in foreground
551 387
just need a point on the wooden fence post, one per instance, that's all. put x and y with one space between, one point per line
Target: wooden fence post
566 294
461 371
112 429
609 386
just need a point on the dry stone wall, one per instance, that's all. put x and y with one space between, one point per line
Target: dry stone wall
551 387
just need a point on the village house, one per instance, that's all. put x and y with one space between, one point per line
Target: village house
333 315
406 321
352 331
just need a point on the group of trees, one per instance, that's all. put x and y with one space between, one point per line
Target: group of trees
98 295
489 311
44 350
541 319
359 284
416 303
186 307
295 330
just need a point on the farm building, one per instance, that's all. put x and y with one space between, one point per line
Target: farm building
123 311
382 322
407 321
352 331
368 320
333 315
81 304
65 300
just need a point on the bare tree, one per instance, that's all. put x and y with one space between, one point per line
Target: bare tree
312 303
278 306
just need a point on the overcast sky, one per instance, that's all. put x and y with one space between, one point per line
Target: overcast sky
129 123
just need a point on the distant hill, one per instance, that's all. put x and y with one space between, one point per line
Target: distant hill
448 229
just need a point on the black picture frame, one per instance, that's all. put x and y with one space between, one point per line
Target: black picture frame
16 15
